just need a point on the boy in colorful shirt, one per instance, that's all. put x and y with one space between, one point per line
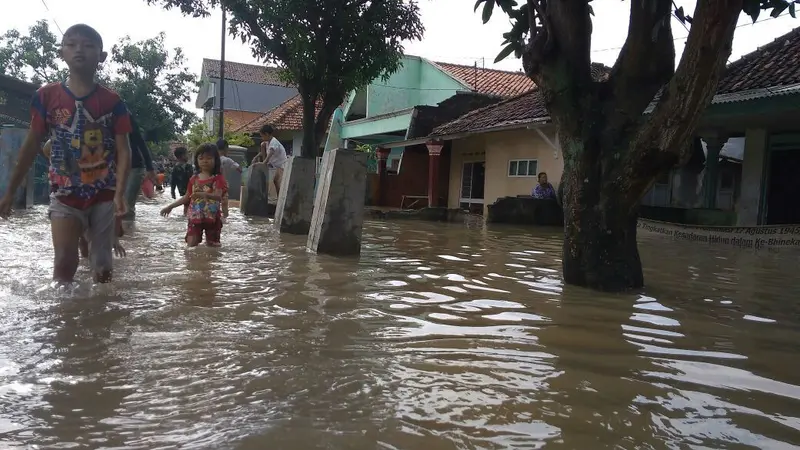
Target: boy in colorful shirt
89 161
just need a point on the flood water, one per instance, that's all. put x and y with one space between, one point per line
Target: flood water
439 337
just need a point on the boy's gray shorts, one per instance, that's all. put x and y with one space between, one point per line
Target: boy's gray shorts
98 223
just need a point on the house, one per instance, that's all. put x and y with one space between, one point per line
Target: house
250 90
384 110
15 102
755 118
287 119
15 113
743 171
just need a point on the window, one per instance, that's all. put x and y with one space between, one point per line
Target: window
522 168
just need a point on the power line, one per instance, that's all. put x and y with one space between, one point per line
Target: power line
53 18
600 50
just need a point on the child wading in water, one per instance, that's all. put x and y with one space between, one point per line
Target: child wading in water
206 193
89 160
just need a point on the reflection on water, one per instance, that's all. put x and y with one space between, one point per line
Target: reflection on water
439 337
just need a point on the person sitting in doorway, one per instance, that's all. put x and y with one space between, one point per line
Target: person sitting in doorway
273 154
544 190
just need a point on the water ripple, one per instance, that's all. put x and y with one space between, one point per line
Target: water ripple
440 336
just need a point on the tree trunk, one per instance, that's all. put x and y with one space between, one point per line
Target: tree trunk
600 218
310 145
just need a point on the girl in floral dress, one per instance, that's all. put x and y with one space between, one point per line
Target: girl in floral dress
206 192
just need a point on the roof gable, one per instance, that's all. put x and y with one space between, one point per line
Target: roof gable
247 73
288 116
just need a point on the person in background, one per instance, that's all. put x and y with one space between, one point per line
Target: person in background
544 190
272 153
228 166
141 167
162 178
181 172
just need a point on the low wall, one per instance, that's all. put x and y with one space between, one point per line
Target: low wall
695 216
525 211
778 236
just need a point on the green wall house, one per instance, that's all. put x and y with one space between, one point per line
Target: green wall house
384 111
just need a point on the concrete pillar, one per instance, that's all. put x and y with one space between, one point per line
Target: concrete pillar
296 197
338 216
255 201
714 143
234 179
383 158
434 154
751 196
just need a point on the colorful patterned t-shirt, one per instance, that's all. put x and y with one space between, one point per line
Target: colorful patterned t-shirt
206 210
83 134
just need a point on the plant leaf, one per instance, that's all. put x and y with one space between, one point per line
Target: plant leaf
488 7
504 53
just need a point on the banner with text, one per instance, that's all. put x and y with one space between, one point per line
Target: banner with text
772 236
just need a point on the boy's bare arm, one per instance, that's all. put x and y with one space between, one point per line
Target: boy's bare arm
27 153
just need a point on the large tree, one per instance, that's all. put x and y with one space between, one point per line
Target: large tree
328 47
154 82
612 150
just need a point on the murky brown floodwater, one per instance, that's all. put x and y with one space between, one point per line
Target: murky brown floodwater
439 337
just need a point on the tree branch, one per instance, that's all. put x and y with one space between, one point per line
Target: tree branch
662 141
647 60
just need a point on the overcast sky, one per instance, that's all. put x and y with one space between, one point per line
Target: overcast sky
454 33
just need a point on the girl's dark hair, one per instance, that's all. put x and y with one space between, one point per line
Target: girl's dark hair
210 149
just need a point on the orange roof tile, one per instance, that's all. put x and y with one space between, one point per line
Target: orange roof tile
501 83
288 116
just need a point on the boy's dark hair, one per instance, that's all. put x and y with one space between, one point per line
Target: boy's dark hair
86 31
222 144
267 129
540 175
208 148
180 152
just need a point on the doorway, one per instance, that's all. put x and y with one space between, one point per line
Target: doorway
473 177
784 188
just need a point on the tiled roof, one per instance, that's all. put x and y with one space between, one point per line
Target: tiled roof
522 109
248 73
427 118
6 119
773 65
288 116
489 81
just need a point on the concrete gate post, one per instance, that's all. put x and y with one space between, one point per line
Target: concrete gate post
296 197
338 217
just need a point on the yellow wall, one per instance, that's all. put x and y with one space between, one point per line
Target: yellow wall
497 149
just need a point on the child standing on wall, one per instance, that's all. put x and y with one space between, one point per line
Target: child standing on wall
205 194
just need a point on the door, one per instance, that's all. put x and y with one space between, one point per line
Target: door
784 188
473 177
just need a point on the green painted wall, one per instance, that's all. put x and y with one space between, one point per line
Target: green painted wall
416 83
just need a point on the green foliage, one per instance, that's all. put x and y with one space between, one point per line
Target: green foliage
329 47
515 39
372 156
153 82
199 133
155 85
36 53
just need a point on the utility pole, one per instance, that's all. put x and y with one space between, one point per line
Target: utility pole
222 81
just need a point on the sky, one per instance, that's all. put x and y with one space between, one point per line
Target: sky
453 31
